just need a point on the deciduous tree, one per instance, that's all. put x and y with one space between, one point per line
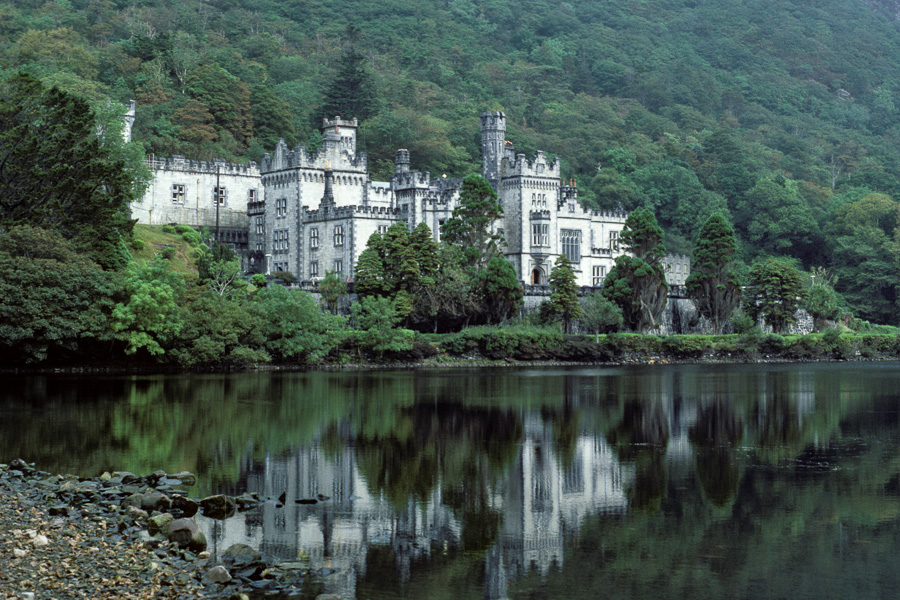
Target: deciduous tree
775 292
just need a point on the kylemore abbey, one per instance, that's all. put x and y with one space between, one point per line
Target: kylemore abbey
310 213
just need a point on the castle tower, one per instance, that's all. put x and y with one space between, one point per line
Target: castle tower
493 144
345 130
401 161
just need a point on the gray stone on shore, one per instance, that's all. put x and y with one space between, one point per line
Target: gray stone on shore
240 554
157 523
185 477
186 534
217 574
186 506
218 507
155 501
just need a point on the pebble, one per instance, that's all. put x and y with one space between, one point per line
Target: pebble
99 538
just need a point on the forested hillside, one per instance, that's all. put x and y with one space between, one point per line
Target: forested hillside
783 114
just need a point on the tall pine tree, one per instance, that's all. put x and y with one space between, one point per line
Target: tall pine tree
714 285
352 93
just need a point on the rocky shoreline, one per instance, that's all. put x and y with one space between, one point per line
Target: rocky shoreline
124 536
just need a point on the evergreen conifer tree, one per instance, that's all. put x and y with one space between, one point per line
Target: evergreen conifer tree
714 285
637 283
564 292
352 93
471 226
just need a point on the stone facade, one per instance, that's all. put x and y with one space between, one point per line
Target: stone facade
184 191
308 213
321 208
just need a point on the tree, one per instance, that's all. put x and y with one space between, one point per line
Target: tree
149 317
501 290
775 292
56 173
352 92
54 302
378 318
332 287
637 283
219 267
563 300
714 285
866 256
600 314
472 225
294 326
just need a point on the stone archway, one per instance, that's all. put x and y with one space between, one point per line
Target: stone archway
537 276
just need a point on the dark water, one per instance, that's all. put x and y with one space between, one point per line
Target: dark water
652 482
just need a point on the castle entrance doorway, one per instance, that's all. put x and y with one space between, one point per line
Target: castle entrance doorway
536 277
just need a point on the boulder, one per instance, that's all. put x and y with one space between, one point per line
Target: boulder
155 501
186 534
186 506
157 523
185 477
217 574
240 554
218 507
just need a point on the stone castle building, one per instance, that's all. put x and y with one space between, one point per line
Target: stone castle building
320 209
308 213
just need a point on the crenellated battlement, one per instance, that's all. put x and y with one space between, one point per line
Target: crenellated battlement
299 158
347 212
337 121
410 179
493 120
538 166
181 164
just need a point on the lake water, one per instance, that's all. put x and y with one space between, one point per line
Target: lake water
751 481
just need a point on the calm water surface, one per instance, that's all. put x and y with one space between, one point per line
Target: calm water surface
649 482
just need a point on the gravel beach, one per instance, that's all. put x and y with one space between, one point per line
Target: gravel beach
122 536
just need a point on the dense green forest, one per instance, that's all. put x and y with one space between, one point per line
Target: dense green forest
782 114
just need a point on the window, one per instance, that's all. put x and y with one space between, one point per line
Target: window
540 234
338 235
382 229
282 241
219 196
614 240
571 244
259 247
599 275
178 193
251 195
281 207
314 268
571 207
260 226
534 204
339 266
314 238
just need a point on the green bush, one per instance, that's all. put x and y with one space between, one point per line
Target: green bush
258 280
686 346
168 229
168 253
183 228
138 244
742 323
191 237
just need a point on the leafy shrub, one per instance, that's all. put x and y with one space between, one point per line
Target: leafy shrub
258 280
183 228
742 323
168 229
168 253
138 244
686 346
192 237
773 344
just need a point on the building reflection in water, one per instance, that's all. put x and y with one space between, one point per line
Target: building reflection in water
541 502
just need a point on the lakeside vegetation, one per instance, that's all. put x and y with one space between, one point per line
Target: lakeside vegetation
770 155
